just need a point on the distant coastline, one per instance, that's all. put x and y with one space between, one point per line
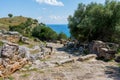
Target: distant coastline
60 28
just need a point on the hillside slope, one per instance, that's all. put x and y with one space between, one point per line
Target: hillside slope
16 20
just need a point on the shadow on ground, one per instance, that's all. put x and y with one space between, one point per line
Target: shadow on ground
73 52
113 72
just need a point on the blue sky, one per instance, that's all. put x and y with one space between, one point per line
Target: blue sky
46 11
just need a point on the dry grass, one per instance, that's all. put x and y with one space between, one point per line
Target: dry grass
35 51
6 22
13 21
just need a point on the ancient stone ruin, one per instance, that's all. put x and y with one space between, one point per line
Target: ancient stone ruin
13 36
103 50
12 58
10 36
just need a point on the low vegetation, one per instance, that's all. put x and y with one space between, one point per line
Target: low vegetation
15 20
1 43
62 36
25 75
44 33
30 28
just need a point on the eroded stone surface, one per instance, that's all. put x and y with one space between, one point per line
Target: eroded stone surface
11 59
87 70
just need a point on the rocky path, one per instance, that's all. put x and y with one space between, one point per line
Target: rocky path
90 70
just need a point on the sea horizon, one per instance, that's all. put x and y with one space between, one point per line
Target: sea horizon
60 28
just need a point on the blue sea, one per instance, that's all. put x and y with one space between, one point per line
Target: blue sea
60 28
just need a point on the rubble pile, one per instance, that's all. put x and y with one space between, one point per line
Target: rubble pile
13 36
103 50
12 58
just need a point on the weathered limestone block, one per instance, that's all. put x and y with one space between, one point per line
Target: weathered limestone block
87 57
25 40
10 36
8 50
107 54
49 49
102 50
65 61
0 61
12 58
21 52
13 38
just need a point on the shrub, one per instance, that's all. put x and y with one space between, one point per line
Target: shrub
62 36
44 33
1 43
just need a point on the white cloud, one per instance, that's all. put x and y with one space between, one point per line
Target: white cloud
51 2
54 17
40 17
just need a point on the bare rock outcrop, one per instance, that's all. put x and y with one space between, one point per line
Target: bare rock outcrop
87 57
13 36
10 36
102 50
12 58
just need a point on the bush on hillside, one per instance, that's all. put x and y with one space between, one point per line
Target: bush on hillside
24 28
62 36
44 33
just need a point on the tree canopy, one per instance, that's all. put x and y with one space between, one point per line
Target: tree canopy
96 21
10 15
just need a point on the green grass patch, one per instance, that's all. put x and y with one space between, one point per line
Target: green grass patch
44 59
34 69
27 67
11 78
40 71
20 43
1 43
25 75
119 65
34 51
30 45
1 78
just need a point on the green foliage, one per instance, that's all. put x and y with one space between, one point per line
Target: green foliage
35 21
62 36
1 78
86 51
11 78
10 15
21 43
24 28
40 31
44 33
1 43
25 75
96 21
